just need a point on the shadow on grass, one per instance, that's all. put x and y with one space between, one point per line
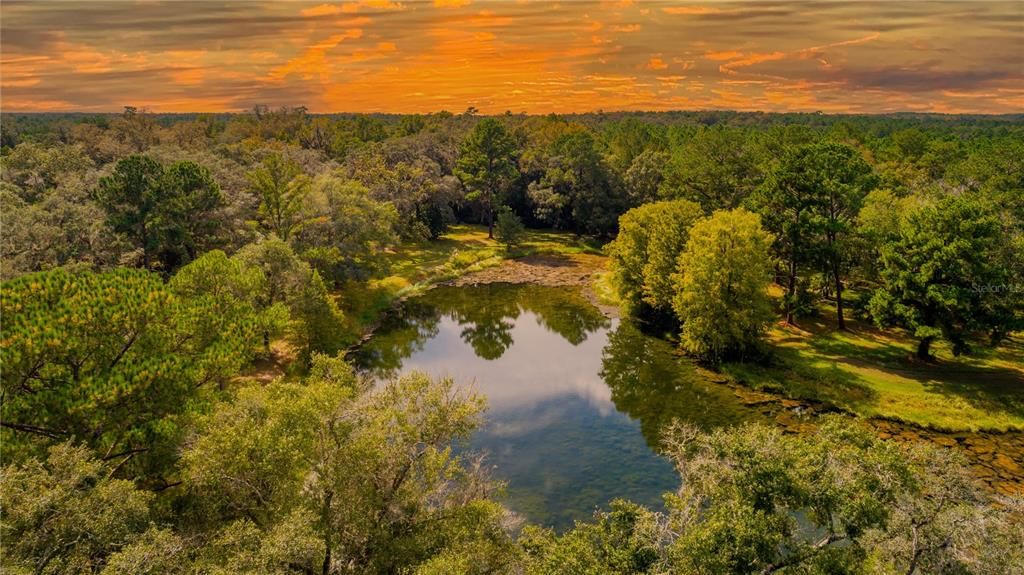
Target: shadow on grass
987 387
792 375
990 380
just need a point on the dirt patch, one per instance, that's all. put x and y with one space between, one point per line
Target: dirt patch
266 369
576 270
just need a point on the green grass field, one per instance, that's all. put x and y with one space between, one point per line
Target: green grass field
466 248
874 373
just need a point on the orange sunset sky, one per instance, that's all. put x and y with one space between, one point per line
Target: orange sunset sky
523 56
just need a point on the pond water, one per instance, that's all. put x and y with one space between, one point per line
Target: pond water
576 401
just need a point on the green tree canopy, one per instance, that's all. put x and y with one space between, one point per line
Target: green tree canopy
809 201
294 296
643 255
510 230
109 358
345 230
370 477
948 274
578 190
756 501
716 167
167 213
282 187
66 514
486 164
722 284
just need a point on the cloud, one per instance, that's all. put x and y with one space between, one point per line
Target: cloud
691 10
352 7
724 55
656 64
451 3
749 60
321 10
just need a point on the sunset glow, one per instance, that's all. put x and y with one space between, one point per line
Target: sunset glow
523 56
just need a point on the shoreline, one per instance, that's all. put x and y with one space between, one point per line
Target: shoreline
996 457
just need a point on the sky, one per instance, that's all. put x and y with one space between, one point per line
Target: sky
516 55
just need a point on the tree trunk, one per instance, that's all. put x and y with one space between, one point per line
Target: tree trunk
146 256
325 518
266 342
924 348
839 292
791 291
490 222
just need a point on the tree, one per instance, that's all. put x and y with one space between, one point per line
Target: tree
282 187
252 451
294 293
577 190
66 514
368 478
643 255
645 176
863 499
792 201
108 359
626 540
722 283
716 167
190 196
63 228
486 164
228 293
165 213
346 230
840 179
837 500
510 228
947 275
413 182
130 196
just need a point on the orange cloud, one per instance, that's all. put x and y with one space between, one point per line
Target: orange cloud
313 62
725 55
691 10
321 10
352 7
451 3
656 64
749 60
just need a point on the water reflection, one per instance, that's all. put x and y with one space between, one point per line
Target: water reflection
576 401
650 384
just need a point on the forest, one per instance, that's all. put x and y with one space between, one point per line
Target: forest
182 295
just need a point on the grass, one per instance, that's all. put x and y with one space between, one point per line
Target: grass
873 373
416 266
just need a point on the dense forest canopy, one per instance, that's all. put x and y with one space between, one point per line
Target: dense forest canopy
147 259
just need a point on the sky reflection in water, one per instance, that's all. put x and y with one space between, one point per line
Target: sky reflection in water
575 401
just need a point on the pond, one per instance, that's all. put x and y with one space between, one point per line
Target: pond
576 401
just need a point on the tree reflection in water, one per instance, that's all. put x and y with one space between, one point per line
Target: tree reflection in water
576 402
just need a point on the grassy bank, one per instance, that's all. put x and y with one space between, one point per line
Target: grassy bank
416 266
873 373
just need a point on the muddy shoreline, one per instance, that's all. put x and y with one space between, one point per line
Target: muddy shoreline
996 458
577 270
